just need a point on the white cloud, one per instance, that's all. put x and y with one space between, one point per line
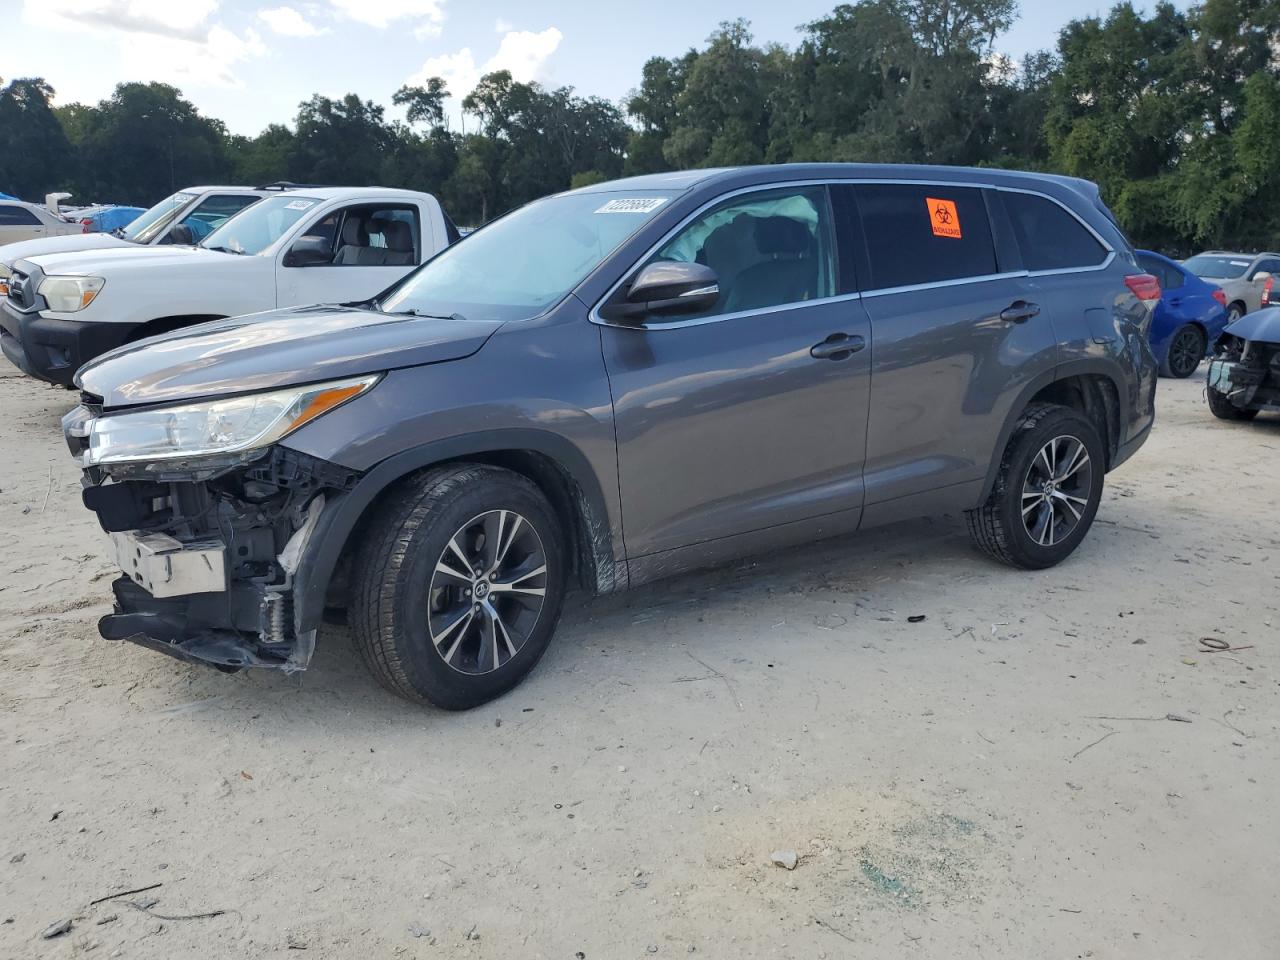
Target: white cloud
184 19
503 26
288 22
166 40
523 52
382 13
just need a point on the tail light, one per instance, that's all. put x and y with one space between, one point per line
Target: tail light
86 226
1266 291
1222 297
1144 286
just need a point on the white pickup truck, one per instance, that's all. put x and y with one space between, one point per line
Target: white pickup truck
324 245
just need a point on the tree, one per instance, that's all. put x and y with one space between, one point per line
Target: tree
37 152
425 104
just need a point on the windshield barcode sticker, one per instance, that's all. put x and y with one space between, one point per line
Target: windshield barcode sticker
637 205
299 204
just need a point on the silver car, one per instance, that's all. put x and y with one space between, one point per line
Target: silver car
1246 278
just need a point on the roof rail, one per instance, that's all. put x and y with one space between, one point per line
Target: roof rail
290 185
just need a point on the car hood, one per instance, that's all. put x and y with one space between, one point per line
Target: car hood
1260 326
66 243
111 260
279 348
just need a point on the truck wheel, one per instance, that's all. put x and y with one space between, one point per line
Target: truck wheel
1222 408
1047 491
459 585
1184 353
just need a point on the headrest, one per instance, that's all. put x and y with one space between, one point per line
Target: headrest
397 233
776 235
353 233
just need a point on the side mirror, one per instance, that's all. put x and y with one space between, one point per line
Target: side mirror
181 234
1262 276
309 252
667 289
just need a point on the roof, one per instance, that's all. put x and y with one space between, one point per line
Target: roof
342 193
1236 253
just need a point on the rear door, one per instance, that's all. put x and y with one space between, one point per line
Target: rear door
19 223
958 332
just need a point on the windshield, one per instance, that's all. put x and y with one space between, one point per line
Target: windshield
260 225
518 266
1218 267
150 224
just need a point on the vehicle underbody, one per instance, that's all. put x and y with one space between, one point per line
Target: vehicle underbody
209 549
1246 373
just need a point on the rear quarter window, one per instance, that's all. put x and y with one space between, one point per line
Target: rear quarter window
1050 237
924 234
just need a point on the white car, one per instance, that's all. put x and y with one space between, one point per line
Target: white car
188 216
328 245
29 221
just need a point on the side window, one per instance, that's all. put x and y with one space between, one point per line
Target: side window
213 212
924 234
1050 237
768 249
1171 278
18 217
377 235
1270 266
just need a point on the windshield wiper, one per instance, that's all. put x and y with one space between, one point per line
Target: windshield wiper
430 316
238 253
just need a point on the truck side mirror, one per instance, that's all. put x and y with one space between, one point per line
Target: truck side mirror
181 234
309 252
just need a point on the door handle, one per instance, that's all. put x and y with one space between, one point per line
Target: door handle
838 346
1020 311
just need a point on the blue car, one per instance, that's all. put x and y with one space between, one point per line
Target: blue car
1190 315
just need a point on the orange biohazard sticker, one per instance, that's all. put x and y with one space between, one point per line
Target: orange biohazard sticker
944 218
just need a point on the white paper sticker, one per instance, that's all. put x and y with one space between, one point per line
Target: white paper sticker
299 204
1239 263
634 205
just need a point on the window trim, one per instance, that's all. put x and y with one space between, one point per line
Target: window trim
35 220
593 315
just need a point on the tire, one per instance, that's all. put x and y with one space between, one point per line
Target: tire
1185 351
425 631
1224 409
997 527
1234 313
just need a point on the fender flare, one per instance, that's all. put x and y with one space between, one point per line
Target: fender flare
337 522
1065 371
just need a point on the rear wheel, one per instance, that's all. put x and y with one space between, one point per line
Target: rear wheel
459 586
1235 312
1047 491
1186 350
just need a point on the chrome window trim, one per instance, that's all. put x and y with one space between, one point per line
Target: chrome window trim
594 314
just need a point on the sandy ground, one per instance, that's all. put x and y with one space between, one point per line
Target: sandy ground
975 785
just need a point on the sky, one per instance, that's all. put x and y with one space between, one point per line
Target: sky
251 62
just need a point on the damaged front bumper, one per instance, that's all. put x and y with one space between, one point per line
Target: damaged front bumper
209 551
1249 381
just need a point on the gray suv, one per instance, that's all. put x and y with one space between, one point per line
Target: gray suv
611 386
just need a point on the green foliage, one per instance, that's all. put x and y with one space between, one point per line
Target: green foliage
1175 113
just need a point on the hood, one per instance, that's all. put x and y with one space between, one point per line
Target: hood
279 348
109 260
1260 326
67 243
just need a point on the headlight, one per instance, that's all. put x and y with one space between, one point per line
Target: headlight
69 294
233 425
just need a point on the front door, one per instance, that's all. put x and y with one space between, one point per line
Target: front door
752 414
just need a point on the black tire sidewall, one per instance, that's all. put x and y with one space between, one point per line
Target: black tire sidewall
1168 370
1026 446
423 666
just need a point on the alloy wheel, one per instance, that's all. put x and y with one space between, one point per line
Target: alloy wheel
487 592
1185 352
1055 491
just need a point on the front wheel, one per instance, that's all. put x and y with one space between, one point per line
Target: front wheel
1046 492
459 585
1186 350
1220 406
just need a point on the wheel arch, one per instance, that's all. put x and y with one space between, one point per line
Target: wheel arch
559 469
159 325
1088 387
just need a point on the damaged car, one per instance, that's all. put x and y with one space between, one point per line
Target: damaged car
1244 375
611 386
